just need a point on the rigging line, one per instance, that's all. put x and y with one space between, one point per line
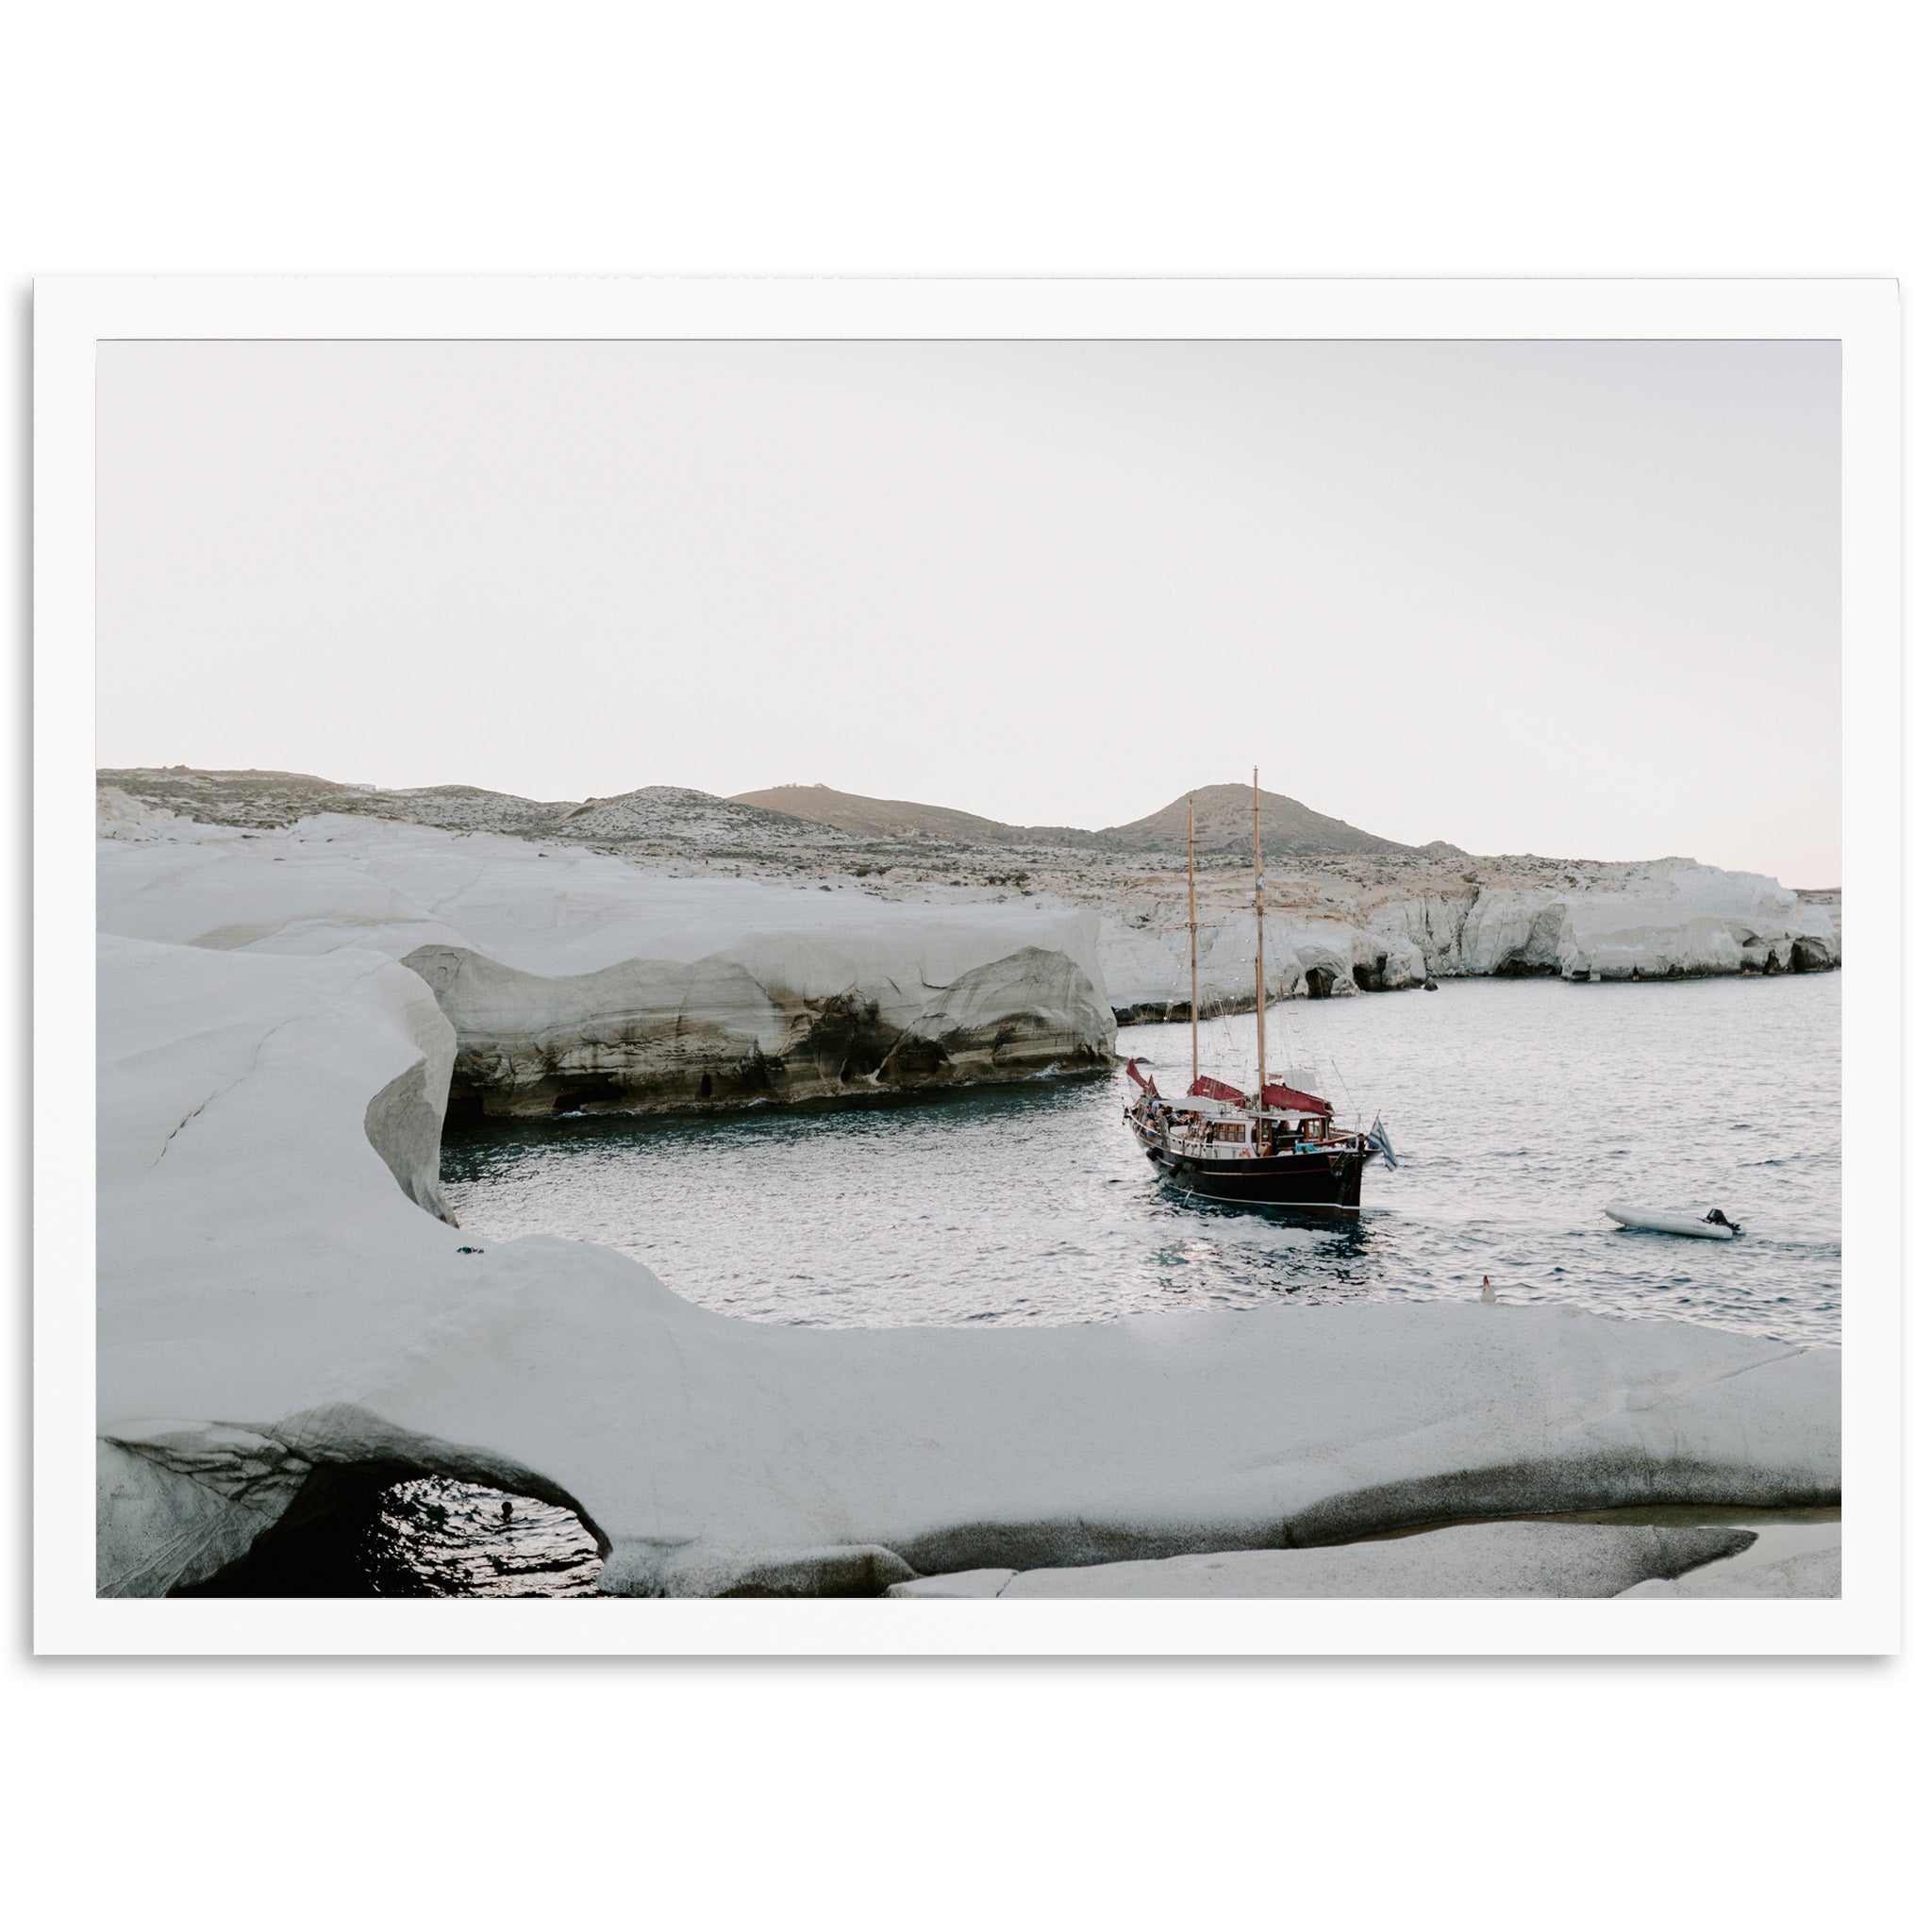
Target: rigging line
1350 1096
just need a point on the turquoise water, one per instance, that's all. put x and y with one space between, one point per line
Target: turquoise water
1517 1110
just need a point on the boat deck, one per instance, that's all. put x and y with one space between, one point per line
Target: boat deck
1257 1155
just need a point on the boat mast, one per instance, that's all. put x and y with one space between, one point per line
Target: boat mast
1260 973
1193 956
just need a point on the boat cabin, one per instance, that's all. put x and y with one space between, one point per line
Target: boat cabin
1220 1130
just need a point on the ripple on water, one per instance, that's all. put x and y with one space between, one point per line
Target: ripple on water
1517 1110
425 1537
434 1537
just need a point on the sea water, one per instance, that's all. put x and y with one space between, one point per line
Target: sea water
1517 1110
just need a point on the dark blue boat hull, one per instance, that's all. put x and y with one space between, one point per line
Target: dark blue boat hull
1315 1179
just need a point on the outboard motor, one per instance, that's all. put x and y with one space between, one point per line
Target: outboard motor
1723 1220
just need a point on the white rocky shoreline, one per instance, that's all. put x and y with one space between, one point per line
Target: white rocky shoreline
1386 925
283 1320
288 1319
673 950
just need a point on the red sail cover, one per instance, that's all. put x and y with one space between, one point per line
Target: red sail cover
1208 1088
1292 1100
1141 1081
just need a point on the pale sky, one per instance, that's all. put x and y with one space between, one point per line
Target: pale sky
1579 599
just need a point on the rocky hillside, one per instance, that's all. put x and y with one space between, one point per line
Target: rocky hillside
668 820
1224 821
663 820
899 818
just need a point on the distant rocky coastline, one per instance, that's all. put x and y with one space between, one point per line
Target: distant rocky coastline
1105 913
1386 925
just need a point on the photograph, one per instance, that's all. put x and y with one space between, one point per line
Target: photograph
919 968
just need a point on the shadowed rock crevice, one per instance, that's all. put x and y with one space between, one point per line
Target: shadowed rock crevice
269 1501
363 1531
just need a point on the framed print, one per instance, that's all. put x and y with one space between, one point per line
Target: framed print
883 967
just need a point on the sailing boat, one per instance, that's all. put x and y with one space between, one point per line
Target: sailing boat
1277 1147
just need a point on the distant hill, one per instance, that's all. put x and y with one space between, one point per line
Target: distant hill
1224 821
871 818
662 817
670 813
672 818
279 798
899 818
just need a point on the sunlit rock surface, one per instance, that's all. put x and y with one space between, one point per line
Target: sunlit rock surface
1486 1559
577 980
281 1314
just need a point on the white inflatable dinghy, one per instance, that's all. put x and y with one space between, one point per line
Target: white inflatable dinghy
1714 1226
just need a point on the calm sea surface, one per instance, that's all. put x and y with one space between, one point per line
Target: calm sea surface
1517 1110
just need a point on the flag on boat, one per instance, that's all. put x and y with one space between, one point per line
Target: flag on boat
1141 1081
1377 1137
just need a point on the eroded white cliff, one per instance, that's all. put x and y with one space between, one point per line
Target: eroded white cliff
578 979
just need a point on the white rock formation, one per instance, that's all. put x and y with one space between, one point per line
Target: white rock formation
575 979
1485 1560
282 1315
1671 921
1668 920
1144 958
